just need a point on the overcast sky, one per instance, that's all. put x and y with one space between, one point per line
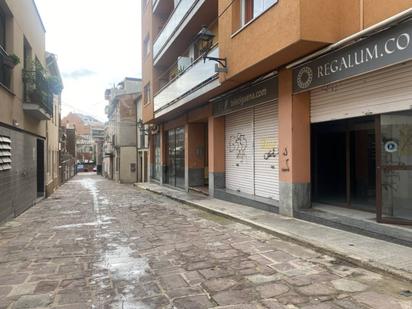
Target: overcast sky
97 43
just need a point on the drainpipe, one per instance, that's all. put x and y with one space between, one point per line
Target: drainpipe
137 144
379 26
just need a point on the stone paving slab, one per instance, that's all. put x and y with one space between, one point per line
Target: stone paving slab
101 245
365 251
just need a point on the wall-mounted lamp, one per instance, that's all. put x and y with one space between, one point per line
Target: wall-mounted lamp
205 37
140 124
151 129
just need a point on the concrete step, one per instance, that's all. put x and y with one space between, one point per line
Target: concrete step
362 226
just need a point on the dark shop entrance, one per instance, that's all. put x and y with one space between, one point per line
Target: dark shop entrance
365 164
344 163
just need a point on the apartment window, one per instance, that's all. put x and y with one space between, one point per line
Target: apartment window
5 68
5 153
251 9
27 57
146 46
2 29
147 94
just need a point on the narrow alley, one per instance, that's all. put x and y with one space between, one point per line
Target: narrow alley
98 244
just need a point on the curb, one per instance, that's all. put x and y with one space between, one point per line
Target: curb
367 264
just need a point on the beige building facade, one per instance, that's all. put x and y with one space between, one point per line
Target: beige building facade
25 104
53 129
120 161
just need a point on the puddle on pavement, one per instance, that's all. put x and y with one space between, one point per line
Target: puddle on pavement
77 225
70 212
124 268
118 260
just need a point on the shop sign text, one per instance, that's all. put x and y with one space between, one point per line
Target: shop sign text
386 48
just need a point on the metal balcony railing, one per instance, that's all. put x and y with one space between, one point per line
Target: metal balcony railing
193 77
177 17
37 91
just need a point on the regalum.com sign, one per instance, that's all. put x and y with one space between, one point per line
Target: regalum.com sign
383 49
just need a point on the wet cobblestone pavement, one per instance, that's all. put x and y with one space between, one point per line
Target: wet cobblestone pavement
98 244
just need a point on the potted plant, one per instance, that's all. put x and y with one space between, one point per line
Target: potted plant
11 61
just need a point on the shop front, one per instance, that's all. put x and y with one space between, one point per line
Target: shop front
361 123
251 143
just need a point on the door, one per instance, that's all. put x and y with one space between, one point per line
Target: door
157 165
171 154
176 157
266 151
395 168
239 151
40 168
180 158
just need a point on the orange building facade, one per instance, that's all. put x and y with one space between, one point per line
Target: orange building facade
282 105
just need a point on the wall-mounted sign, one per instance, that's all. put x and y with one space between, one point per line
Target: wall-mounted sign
383 49
247 96
391 146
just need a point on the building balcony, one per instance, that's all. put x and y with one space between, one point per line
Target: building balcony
38 99
280 34
183 24
194 81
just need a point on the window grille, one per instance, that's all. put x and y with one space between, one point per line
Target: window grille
5 153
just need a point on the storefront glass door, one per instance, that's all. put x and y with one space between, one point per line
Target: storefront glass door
180 157
176 157
156 169
171 154
395 168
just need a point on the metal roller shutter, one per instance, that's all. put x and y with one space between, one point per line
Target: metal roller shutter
266 151
239 151
383 91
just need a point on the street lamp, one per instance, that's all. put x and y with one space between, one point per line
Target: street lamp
146 130
205 37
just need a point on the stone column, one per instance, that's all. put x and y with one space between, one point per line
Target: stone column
216 129
163 156
195 157
294 147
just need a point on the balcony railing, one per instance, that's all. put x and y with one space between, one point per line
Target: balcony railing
197 74
177 17
36 90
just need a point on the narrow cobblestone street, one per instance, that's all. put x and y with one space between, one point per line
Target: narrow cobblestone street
98 244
